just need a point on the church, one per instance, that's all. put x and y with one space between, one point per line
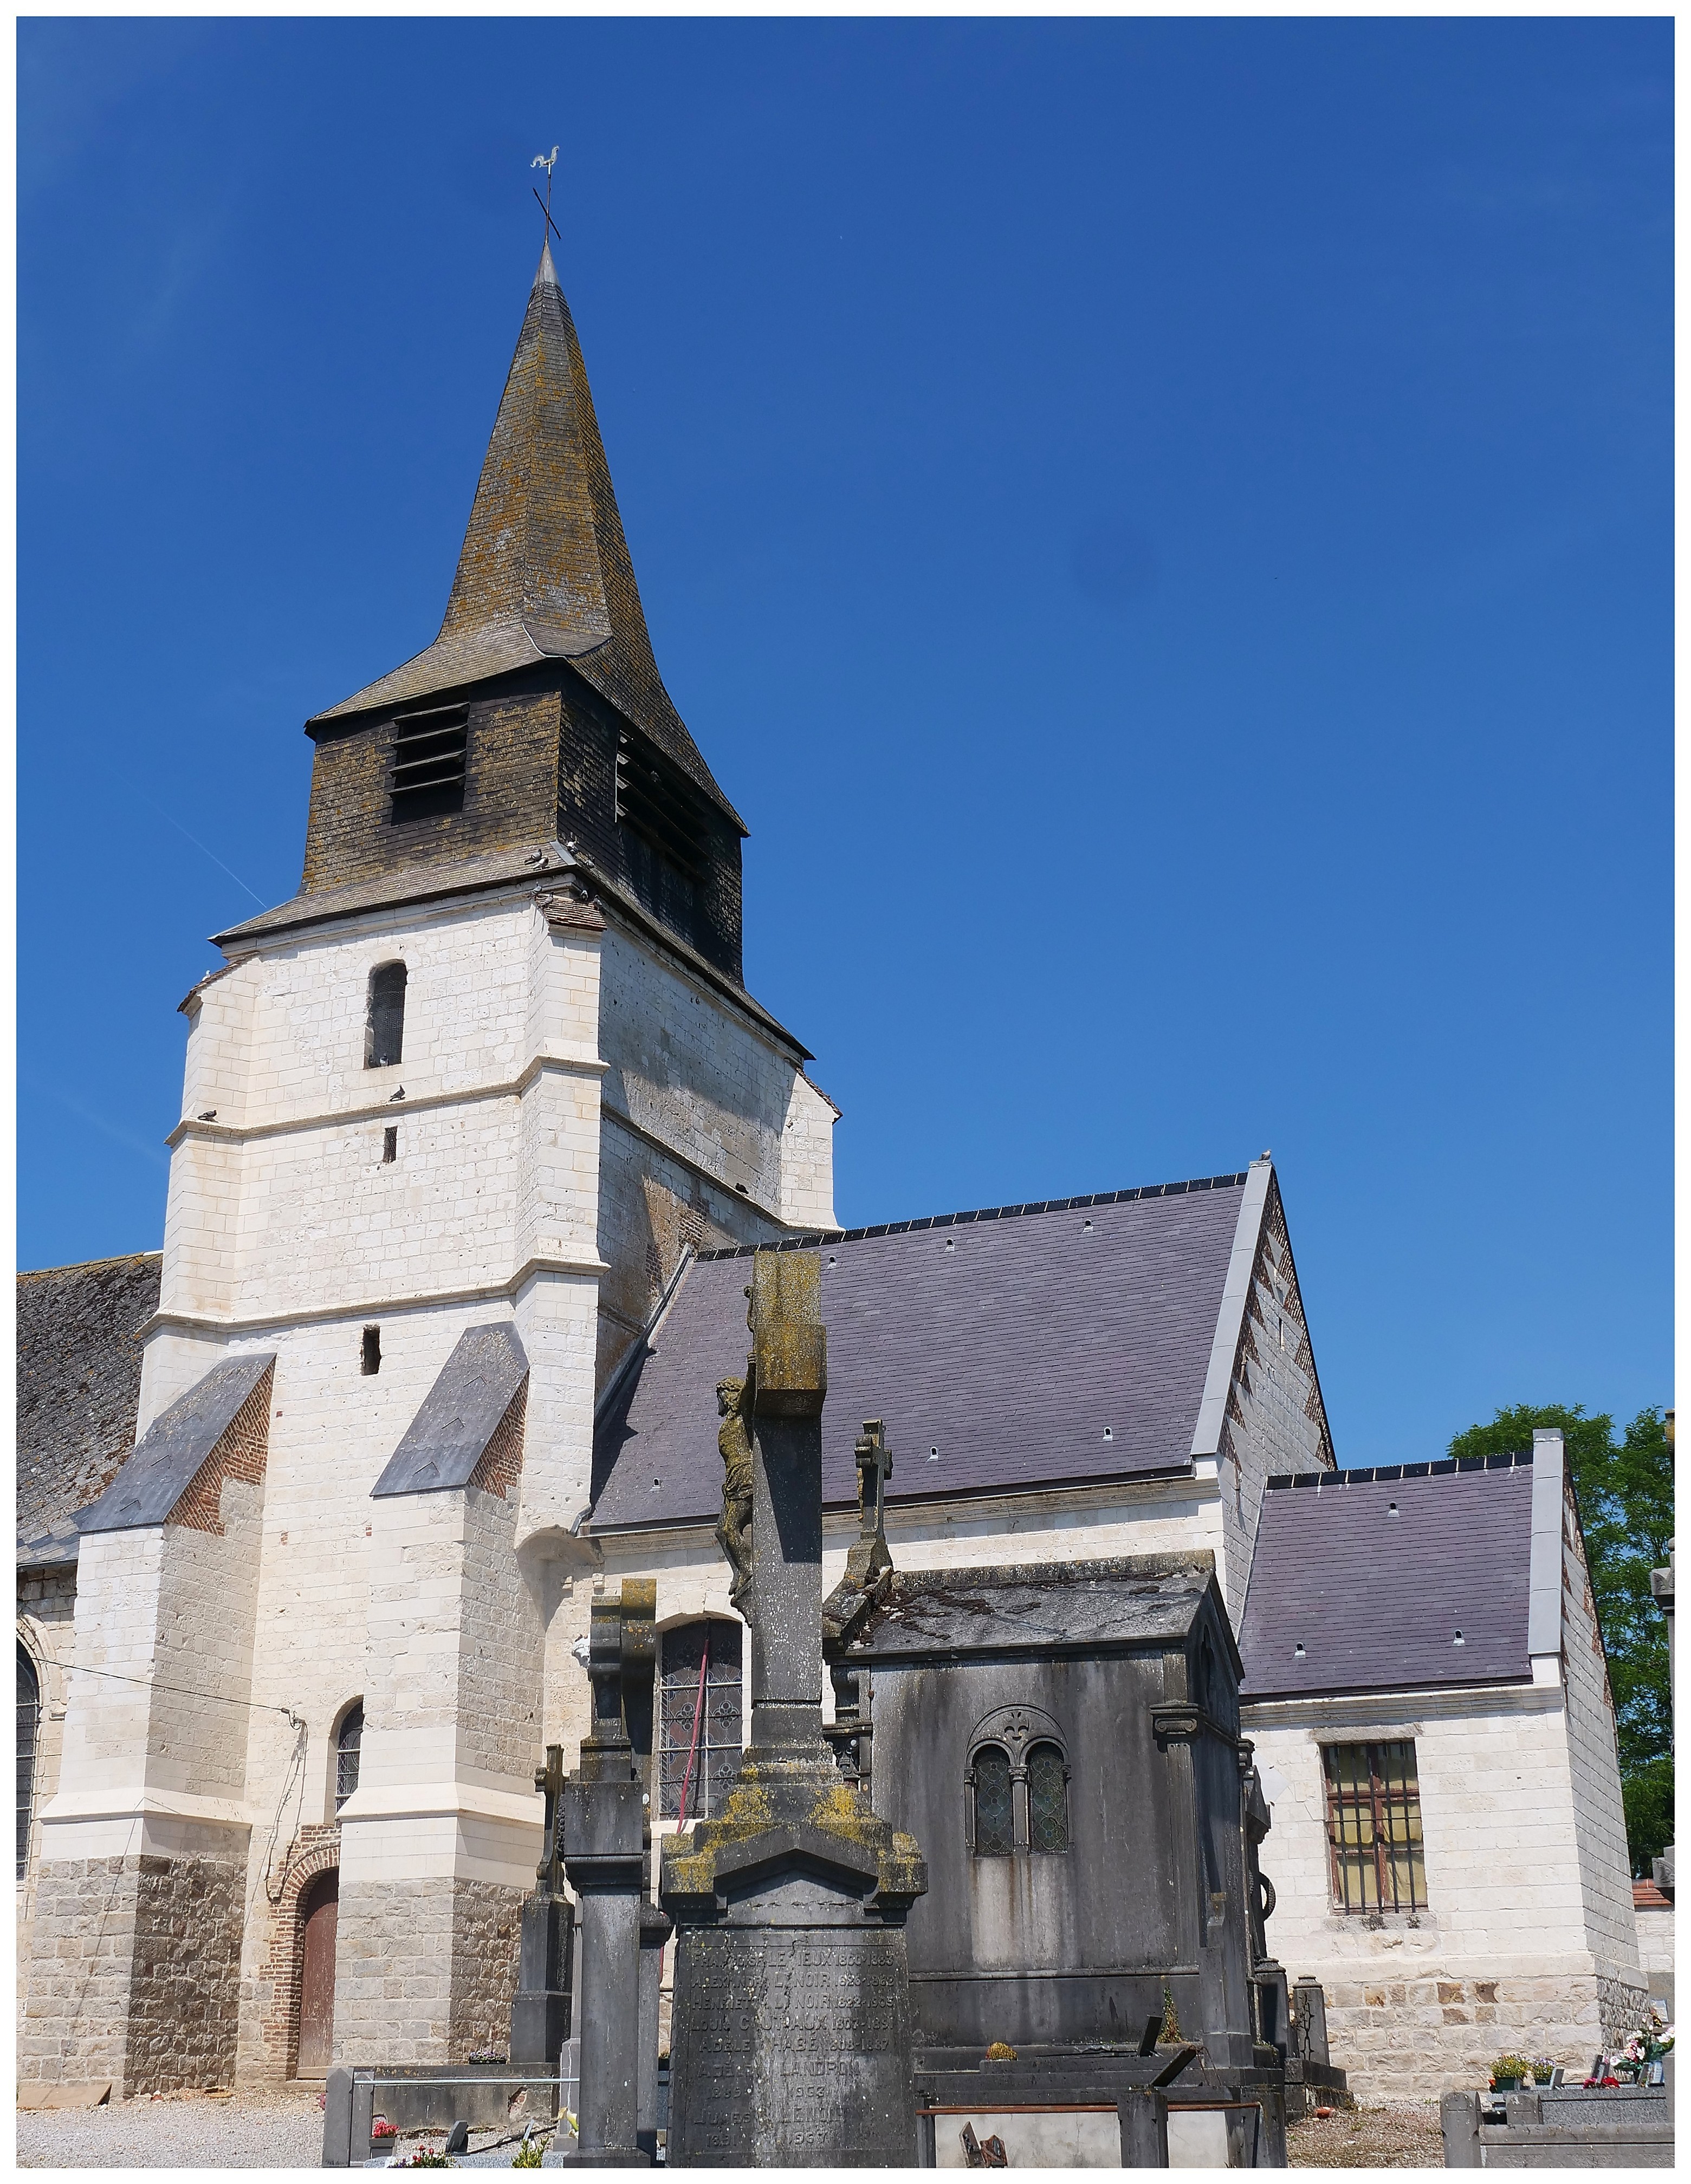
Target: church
478 1133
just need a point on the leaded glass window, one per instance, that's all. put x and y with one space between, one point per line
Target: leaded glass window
994 1813
349 1745
699 1717
1048 1799
29 1718
1373 1826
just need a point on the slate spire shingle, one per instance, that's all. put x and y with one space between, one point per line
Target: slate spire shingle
545 572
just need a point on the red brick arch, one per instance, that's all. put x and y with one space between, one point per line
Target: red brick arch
284 1963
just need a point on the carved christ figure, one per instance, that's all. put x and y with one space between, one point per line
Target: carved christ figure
733 1528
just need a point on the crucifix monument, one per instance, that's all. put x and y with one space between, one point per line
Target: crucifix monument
790 2044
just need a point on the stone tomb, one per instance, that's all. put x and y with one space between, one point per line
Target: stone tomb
791 2034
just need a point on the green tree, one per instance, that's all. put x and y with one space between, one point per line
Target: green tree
1625 1492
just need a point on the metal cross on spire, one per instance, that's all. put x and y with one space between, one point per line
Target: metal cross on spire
548 161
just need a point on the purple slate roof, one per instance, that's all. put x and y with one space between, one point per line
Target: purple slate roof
1010 1341
1375 1599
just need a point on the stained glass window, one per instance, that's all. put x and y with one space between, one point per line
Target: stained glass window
1048 1799
348 1744
994 1828
1374 1827
29 1715
698 1734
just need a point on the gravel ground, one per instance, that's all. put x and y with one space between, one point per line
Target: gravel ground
276 2127
280 2128
1404 2135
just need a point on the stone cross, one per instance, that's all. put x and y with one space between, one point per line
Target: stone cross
540 2008
870 1558
791 2035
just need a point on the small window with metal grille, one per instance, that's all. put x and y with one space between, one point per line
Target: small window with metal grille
349 1742
666 811
995 1833
699 1718
1374 1827
29 1721
431 753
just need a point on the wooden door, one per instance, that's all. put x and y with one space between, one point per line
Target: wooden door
317 1980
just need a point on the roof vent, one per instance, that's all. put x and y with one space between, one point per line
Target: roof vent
1458 1639
1298 1652
1086 1226
1391 1508
1109 1433
950 1243
933 1455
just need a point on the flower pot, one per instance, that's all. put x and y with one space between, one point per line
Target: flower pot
1505 2085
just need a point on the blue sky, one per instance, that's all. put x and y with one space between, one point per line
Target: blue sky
1162 529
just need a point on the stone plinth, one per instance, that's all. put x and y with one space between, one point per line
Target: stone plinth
791 2041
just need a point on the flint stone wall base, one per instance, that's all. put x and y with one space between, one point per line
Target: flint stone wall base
425 1970
135 1975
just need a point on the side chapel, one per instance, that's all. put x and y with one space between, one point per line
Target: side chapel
478 1132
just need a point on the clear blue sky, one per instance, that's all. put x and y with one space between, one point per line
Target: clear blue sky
1161 528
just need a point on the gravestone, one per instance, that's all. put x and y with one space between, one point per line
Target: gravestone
605 1838
791 2035
540 2009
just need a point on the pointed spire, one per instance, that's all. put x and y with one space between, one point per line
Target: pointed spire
545 572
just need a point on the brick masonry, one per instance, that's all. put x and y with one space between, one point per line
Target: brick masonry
269 1994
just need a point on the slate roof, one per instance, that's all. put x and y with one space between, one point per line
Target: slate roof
168 1457
1010 1340
1375 1599
1045 1607
79 1388
545 572
460 1413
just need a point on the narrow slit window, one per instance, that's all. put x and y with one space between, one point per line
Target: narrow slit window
994 1806
1374 1827
430 754
390 1145
384 1020
369 1357
1048 1799
349 1743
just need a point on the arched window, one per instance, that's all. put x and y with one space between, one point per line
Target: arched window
1017 1784
698 1724
384 1023
348 1740
995 1833
1048 1799
29 1717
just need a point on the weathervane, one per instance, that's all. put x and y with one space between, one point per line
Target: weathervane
548 161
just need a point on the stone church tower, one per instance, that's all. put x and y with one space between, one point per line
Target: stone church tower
454 1118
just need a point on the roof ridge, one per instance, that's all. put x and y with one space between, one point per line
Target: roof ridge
814 1241
1383 1474
85 1265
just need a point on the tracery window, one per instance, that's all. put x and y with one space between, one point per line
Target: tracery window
699 1717
1048 1799
29 1721
1017 1787
1373 1826
993 1805
348 1746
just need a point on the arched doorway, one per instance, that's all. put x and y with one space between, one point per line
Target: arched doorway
319 1907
